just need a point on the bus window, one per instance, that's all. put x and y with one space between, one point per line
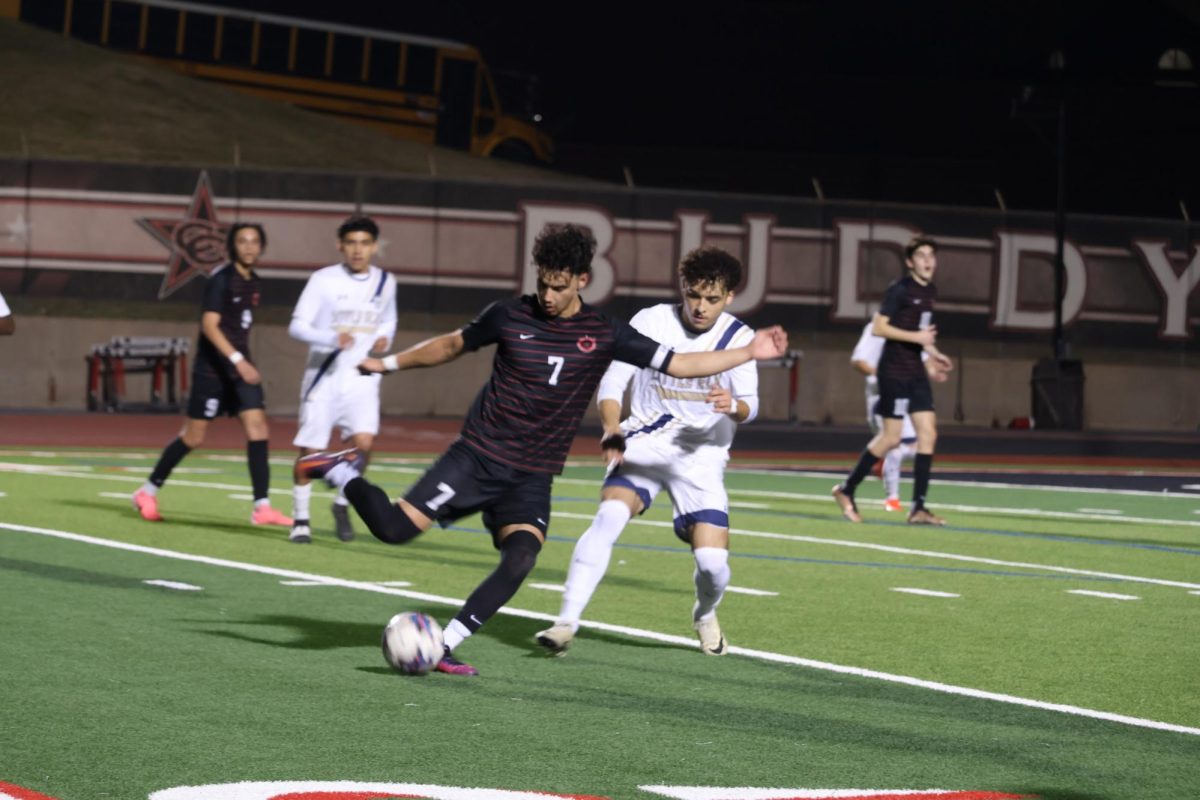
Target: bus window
237 39
124 25
273 44
198 37
87 19
162 31
457 101
45 15
385 64
310 53
347 58
419 69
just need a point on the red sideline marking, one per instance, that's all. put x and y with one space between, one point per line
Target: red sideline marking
22 794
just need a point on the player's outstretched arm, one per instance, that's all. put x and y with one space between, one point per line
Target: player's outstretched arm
767 344
429 353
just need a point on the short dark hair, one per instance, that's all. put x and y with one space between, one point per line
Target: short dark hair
358 222
916 243
236 228
565 248
711 265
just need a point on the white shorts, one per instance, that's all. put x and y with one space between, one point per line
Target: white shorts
907 434
349 403
694 478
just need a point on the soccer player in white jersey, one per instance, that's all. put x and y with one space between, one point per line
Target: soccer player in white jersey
865 359
677 437
345 312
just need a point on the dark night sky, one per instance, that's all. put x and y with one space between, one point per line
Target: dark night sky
910 101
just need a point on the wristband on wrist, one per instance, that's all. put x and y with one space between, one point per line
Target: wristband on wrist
390 363
236 358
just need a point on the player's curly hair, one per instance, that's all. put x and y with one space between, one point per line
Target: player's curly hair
916 243
358 222
567 248
238 227
711 265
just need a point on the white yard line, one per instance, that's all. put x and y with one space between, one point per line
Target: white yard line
632 632
887 548
1105 595
923 592
182 587
738 531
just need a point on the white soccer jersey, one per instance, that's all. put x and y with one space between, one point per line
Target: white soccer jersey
869 347
336 300
663 406
4 310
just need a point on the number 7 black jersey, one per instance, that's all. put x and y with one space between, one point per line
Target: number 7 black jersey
235 298
543 377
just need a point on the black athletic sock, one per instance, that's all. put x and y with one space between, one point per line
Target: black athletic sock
260 470
518 554
172 454
861 470
386 520
922 466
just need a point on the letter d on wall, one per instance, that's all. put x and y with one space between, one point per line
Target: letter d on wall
1005 313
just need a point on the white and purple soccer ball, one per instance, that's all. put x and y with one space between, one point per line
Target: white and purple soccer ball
412 642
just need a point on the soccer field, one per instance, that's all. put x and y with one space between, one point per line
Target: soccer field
1045 643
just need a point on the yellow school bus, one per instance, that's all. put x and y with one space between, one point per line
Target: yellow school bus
430 90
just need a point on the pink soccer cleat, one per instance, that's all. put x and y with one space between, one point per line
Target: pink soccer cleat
452 666
146 504
265 515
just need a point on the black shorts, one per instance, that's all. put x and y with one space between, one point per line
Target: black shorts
900 396
464 481
213 395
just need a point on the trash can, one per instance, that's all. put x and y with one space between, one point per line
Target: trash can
1057 389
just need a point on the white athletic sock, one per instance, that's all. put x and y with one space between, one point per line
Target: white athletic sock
149 488
262 501
891 472
301 494
712 576
341 474
454 633
590 559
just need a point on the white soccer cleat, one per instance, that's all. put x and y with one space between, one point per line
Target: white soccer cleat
557 638
712 641
301 533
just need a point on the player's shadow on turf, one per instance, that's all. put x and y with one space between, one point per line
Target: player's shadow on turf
300 633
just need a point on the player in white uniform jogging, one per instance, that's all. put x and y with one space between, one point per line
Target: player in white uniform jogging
677 438
345 312
865 359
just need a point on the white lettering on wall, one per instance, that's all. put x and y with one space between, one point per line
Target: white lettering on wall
537 215
1175 287
1005 313
758 247
851 236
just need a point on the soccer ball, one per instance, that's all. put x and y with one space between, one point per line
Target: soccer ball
412 642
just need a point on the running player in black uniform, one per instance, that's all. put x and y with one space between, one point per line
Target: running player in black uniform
551 350
905 319
224 380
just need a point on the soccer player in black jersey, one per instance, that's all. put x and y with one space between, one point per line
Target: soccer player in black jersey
224 379
551 350
905 319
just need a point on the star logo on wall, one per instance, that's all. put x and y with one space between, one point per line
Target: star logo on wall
196 242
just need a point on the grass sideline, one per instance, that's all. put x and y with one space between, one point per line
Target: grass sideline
120 688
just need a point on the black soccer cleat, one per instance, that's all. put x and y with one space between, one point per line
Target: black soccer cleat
341 522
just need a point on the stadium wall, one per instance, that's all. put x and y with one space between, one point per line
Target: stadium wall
87 249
